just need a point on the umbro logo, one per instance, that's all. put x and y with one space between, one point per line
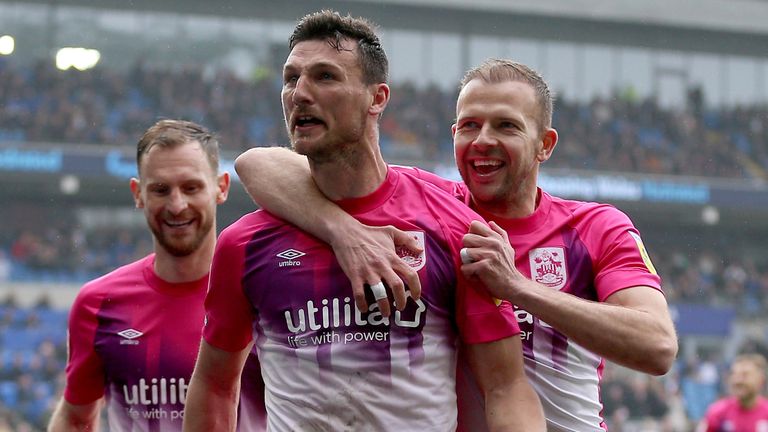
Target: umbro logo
290 256
129 336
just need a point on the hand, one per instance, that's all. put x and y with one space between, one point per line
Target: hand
367 255
492 259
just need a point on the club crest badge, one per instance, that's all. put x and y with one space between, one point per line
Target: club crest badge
415 261
548 266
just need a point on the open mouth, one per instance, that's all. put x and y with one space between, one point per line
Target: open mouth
307 121
178 224
486 166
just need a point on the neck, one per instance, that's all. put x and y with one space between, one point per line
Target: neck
517 205
749 401
188 268
353 175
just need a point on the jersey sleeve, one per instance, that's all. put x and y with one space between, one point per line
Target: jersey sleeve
229 316
478 316
85 369
622 260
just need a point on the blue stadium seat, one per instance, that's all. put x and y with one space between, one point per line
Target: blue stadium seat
9 394
23 339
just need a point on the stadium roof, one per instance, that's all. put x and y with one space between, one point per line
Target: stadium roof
720 26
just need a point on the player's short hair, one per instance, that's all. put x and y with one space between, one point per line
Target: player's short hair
756 359
172 133
495 70
331 26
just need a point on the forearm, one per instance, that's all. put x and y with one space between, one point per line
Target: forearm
514 407
279 180
209 409
638 335
511 404
69 418
631 327
214 390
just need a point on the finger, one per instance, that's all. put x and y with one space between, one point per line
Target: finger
384 307
480 228
405 240
379 292
397 287
408 275
358 291
411 278
466 257
469 271
499 230
400 266
473 240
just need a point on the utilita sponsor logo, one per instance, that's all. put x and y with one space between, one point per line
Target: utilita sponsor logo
158 391
335 313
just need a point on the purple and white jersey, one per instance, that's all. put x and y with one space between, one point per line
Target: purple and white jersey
586 249
133 338
326 366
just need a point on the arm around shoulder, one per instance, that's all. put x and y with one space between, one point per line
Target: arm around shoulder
279 180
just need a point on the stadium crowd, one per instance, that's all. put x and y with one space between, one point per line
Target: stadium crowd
32 360
39 103
68 255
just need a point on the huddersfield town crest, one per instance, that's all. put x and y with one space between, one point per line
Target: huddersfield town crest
415 261
548 266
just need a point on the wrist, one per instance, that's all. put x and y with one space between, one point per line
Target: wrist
339 230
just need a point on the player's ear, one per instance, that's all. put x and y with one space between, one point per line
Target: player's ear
548 143
380 99
136 191
223 183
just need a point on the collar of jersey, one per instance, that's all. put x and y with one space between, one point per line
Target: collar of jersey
372 200
180 289
528 224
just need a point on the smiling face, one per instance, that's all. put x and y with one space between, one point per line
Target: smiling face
178 191
746 381
325 101
499 143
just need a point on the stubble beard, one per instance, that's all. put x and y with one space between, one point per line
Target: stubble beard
503 196
331 149
182 247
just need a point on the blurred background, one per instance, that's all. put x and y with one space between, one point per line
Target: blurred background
661 109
